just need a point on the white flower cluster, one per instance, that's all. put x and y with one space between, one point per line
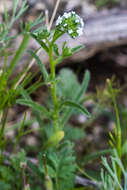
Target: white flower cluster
70 23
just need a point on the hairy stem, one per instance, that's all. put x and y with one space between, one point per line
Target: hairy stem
53 89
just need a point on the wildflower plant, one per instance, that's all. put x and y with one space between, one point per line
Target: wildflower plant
61 109
71 24
56 158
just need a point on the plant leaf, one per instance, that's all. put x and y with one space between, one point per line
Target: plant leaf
42 44
33 105
77 98
56 50
96 155
75 105
124 148
77 48
40 64
18 54
35 112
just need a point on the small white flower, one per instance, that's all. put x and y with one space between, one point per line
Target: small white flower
44 40
73 13
80 31
66 15
70 31
59 21
65 24
77 21
62 28
69 14
35 33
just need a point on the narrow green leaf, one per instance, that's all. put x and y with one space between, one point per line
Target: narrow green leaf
96 155
20 132
28 78
24 7
84 86
34 87
59 59
124 148
42 44
33 105
66 52
38 20
18 54
57 35
35 112
6 16
77 106
77 98
56 49
40 64
15 5
15 16
76 49
17 125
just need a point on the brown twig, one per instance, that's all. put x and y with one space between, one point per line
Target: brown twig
53 15
86 182
46 18
28 68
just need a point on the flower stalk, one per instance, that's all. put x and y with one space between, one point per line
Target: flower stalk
53 89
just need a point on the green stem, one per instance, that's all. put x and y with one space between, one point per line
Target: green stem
57 185
19 53
84 173
4 118
53 89
118 132
119 144
118 127
2 129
